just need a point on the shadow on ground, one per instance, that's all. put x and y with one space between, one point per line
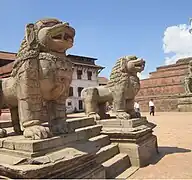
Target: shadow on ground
165 150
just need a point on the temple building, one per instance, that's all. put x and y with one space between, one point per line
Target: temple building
102 81
85 75
165 86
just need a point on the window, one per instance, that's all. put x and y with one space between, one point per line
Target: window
80 105
69 103
79 91
79 74
71 91
89 75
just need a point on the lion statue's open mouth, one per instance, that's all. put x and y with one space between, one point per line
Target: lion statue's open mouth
57 33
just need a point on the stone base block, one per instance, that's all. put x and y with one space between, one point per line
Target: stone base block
185 103
140 154
134 138
66 156
84 167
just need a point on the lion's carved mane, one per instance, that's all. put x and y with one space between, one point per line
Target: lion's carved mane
120 74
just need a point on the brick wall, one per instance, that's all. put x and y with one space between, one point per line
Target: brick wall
165 86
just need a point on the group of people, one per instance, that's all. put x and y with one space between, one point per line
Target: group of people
151 108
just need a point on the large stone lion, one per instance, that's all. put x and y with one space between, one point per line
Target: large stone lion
40 80
121 90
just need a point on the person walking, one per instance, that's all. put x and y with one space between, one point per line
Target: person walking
151 107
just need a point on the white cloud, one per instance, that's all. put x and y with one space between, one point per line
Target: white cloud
178 41
142 76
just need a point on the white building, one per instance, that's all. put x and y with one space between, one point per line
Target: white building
85 75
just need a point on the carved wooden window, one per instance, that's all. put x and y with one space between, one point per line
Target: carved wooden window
80 105
79 91
89 75
79 74
69 103
71 91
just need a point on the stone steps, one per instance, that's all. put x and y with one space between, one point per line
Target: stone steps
102 140
107 152
86 139
33 148
76 123
89 131
116 165
128 172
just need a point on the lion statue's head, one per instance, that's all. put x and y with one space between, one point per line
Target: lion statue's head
44 36
125 70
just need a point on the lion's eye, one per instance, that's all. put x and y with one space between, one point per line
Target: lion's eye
50 24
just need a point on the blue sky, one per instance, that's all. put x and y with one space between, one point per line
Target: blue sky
105 29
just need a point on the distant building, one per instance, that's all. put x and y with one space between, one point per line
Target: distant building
102 81
85 75
165 86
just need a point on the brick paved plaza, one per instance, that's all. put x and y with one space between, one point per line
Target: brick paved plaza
174 132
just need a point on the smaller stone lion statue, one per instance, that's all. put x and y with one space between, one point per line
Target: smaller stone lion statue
39 83
188 79
120 90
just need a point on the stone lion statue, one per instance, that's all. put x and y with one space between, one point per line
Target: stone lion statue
188 79
120 90
39 83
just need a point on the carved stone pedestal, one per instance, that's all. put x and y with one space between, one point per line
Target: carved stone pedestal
134 137
185 103
67 156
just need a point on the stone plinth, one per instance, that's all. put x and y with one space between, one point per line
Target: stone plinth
66 156
134 137
185 103
165 85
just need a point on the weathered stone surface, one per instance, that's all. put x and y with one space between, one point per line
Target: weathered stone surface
134 139
34 148
115 123
40 80
75 159
185 103
117 164
120 90
61 169
107 152
140 154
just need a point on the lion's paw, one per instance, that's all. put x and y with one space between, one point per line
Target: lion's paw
37 132
59 127
3 133
123 115
95 116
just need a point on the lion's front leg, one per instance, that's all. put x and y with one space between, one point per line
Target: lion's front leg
15 120
130 109
30 105
102 111
57 116
90 97
119 104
